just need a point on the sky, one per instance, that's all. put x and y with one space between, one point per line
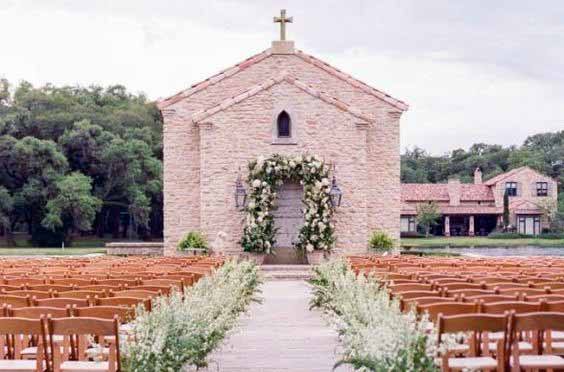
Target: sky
471 70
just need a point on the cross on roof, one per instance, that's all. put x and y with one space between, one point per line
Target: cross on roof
283 20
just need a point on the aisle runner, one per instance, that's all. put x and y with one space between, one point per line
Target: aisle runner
280 334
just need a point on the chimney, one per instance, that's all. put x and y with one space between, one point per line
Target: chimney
454 191
478 176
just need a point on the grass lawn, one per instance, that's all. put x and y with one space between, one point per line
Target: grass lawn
465 241
26 251
79 247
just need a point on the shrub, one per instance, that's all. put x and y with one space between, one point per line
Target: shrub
182 330
194 239
380 241
376 335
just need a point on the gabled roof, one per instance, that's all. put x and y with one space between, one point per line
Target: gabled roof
267 53
213 79
502 176
439 192
524 206
284 77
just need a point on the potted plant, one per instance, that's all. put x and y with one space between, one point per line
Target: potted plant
194 242
380 242
317 256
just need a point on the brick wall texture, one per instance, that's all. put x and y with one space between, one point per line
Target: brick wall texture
202 158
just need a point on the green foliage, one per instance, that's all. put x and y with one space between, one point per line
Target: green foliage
109 136
505 210
181 330
427 215
380 241
194 239
73 206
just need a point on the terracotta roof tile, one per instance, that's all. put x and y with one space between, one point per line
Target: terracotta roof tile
439 192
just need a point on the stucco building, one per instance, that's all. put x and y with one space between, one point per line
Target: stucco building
280 101
476 209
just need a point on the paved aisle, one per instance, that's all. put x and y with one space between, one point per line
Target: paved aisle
280 334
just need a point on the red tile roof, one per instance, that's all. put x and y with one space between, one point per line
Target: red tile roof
424 192
439 192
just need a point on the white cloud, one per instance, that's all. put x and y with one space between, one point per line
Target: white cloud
457 95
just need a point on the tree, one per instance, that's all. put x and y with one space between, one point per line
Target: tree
73 206
427 216
505 210
106 134
6 207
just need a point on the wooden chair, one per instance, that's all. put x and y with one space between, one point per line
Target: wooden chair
81 294
62 302
17 334
469 292
414 294
118 282
476 324
10 288
410 287
537 323
408 304
164 290
23 281
31 294
16 301
50 287
35 312
136 293
461 286
544 297
80 329
447 308
71 282
99 288
486 299
125 314
124 302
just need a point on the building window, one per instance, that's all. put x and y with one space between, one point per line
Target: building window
542 188
408 224
284 125
511 188
529 225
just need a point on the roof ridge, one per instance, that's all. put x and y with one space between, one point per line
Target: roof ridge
284 76
504 175
352 80
230 71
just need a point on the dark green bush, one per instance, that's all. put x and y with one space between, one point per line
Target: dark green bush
411 234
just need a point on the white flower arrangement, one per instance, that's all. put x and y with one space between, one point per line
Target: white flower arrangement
181 330
375 334
265 176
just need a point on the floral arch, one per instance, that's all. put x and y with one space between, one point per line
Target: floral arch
265 177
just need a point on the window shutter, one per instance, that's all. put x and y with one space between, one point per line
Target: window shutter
549 189
533 189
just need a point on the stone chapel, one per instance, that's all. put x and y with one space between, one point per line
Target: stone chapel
280 101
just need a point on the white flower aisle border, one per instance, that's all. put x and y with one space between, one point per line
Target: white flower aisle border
265 177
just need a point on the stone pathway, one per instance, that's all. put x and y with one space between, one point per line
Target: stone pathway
281 334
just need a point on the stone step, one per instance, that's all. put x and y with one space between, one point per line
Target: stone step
285 267
286 272
286 275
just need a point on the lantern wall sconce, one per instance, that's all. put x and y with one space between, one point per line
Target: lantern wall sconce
240 193
335 194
